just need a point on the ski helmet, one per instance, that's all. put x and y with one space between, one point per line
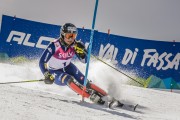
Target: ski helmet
68 28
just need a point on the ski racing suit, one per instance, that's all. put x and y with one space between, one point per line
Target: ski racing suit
56 59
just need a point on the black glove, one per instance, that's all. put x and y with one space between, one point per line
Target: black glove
49 78
80 49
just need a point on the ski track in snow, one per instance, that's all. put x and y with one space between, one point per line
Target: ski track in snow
37 101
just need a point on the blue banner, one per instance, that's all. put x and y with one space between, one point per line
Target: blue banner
20 37
144 57
24 37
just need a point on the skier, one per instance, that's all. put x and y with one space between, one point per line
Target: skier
55 64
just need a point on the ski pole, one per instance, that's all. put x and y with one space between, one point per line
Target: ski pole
22 81
118 70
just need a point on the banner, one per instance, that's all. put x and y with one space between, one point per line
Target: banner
24 37
146 58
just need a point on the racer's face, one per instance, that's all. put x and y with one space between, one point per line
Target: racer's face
69 38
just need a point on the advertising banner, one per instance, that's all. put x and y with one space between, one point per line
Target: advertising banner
148 59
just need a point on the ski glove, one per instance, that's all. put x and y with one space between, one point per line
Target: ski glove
49 78
80 49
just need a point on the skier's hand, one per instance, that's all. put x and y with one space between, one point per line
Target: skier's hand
49 78
80 49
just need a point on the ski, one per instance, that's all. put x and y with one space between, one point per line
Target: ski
117 104
129 107
98 96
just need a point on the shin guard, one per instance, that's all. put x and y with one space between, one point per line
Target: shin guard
98 89
77 88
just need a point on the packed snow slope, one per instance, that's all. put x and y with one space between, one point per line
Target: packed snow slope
37 101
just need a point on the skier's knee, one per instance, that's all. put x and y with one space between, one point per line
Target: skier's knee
73 84
70 80
67 79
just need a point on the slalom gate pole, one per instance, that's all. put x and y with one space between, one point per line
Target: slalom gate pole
22 81
90 47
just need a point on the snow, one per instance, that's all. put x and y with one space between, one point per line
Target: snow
37 101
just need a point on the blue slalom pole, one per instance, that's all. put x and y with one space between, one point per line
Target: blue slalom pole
90 43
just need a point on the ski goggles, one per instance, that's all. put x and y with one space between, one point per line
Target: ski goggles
70 35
